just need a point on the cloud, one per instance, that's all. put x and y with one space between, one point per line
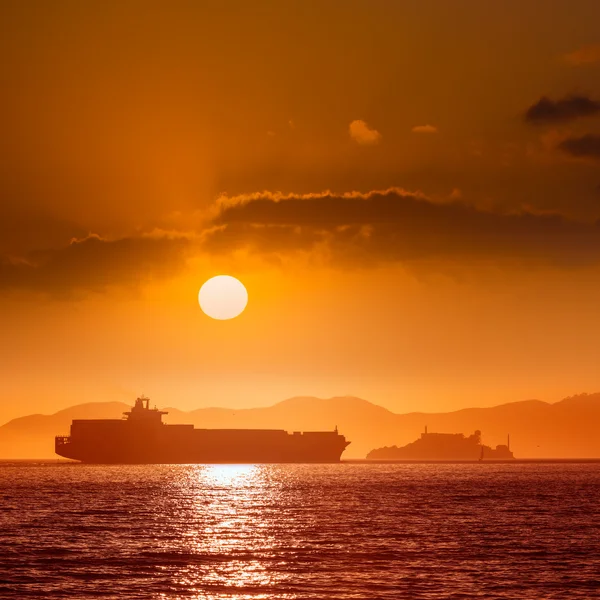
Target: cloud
362 134
346 230
586 146
584 56
565 109
395 225
424 129
94 264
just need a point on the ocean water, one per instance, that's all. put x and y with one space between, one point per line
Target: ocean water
519 531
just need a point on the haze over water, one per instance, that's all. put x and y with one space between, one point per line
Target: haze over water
300 531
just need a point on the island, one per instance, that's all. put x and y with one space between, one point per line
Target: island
443 446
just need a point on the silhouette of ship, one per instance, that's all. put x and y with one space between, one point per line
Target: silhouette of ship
444 446
142 437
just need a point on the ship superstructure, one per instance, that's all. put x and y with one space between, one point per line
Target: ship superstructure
142 437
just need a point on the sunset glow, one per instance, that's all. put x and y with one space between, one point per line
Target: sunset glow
300 300
409 193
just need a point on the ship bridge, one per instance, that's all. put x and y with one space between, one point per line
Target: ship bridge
141 411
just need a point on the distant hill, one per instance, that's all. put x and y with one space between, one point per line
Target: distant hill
565 429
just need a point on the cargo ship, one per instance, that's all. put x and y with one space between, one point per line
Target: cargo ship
142 438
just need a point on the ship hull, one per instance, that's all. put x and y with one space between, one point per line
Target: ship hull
94 456
166 459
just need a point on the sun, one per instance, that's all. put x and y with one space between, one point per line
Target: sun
223 297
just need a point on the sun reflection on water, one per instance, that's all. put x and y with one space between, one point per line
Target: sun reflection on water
228 519
230 475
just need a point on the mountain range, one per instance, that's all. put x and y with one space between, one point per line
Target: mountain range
565 429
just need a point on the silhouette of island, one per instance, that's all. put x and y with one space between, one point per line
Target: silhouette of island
565 429
443 446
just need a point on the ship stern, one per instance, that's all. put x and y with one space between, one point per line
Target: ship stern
63 446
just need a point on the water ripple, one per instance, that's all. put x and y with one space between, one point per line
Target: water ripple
300 531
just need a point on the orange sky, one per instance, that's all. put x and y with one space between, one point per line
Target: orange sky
410 191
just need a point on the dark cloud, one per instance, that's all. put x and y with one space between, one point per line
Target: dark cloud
347 230
93 264
358 229
565 109
586 146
